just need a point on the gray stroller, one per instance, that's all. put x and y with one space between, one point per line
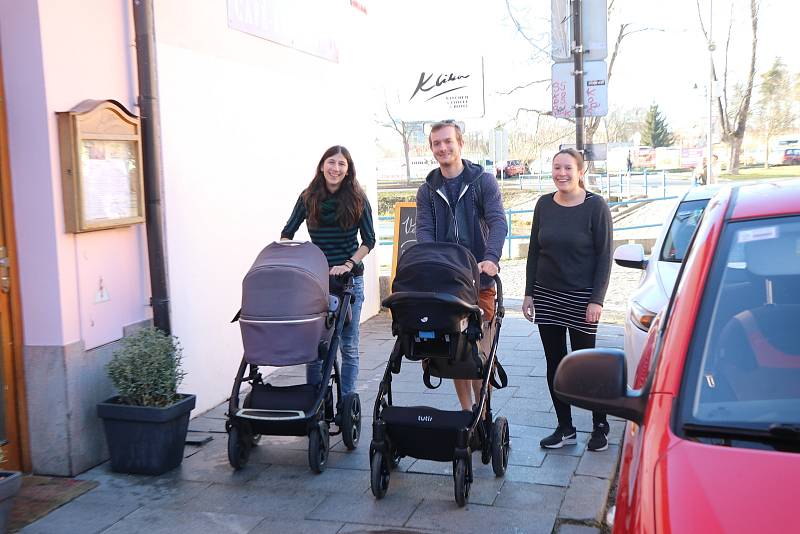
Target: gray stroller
289 317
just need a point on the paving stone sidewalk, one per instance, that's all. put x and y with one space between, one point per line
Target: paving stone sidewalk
562 490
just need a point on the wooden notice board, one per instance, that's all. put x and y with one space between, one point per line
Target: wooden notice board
405 230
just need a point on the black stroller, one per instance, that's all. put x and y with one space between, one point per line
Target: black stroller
436 319
288 317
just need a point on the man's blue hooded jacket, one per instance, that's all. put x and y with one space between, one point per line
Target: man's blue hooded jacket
478 224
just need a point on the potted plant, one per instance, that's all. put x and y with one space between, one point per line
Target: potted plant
10 484
146 423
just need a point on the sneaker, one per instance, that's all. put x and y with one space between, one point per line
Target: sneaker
598 441
559 438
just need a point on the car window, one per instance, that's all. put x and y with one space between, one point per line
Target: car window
681 230
743 365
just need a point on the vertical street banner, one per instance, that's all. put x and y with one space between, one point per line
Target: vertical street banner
442 89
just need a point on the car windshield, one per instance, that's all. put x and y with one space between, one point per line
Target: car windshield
743 365
681 229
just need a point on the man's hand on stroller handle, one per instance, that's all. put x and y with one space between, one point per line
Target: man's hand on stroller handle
489 267
527 307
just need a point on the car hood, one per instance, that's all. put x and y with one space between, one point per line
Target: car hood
709 488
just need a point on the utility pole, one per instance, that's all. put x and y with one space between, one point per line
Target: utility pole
577 57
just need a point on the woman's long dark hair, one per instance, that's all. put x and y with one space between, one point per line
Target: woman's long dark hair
351 196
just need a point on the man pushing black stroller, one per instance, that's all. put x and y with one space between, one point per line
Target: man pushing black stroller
437 320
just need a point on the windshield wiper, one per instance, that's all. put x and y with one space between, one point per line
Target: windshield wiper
785 430
779 432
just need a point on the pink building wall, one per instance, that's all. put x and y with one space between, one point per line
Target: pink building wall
52 61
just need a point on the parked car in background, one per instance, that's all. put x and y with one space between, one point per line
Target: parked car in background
791 156
515 167
714 443
660 269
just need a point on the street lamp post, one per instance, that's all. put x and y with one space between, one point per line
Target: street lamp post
710 178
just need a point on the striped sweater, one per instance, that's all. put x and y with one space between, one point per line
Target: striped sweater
337 244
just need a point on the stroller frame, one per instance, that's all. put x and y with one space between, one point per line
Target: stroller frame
479 432
246 424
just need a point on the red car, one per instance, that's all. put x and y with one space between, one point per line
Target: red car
791 156
515 167
714 439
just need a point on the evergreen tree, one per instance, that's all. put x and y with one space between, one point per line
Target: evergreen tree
655 132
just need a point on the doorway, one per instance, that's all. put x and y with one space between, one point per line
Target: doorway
13 436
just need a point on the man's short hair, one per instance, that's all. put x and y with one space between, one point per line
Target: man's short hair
443 124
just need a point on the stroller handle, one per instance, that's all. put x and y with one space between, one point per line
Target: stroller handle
501 310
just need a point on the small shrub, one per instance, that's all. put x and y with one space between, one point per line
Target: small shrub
146 369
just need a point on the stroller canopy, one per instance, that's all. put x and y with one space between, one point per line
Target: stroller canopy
438 267
288 279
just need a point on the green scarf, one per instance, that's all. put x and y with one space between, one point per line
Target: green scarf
327 211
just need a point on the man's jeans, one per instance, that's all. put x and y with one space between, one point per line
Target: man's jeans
348 345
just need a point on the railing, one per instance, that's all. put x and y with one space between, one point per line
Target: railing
510 237
622 184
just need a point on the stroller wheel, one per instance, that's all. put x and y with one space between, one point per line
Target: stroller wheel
462 483
351 420
501 445
379 475
238 448
318 447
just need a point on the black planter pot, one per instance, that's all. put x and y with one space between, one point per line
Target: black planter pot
144 440
10 484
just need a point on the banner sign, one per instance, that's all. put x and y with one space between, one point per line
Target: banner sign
439 91
289 24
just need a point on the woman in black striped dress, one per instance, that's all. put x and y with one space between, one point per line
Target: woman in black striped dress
337 212
569 264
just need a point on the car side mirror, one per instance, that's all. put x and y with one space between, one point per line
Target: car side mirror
596 379
630 255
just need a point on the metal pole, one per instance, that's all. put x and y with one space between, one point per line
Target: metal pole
710 179
577 56
508 235
151 160
645 184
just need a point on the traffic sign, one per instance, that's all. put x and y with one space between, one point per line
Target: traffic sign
594 16
591 151
595 89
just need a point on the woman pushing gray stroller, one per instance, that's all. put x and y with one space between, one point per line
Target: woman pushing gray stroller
301 303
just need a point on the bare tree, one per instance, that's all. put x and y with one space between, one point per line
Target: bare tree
774 111
734 112
591 124
403 129
622 123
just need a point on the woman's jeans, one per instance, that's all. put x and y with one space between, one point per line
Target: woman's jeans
348 345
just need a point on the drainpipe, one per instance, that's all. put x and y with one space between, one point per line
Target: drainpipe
151 156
